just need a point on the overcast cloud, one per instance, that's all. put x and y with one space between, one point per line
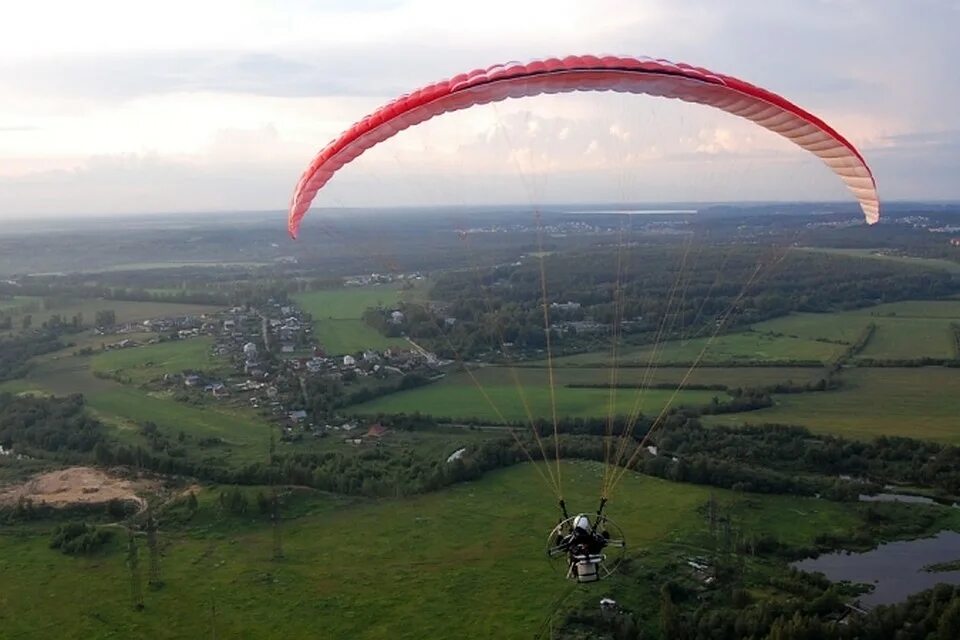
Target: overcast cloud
111 107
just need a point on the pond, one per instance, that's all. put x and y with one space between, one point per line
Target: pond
896 569
908 498
896 497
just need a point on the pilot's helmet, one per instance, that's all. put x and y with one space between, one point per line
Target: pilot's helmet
581 522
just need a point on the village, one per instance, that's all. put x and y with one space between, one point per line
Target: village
273 359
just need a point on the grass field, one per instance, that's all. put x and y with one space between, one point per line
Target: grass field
245 434
341 336
15 302
347 303
747 346
458 397
466 562
141 364
126 311
905 330
730 376
337 317
879 254
914 402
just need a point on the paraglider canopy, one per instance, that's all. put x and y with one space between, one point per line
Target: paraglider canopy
592 73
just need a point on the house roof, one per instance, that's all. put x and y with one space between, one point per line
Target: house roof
376 431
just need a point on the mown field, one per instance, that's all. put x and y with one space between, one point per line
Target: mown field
337 317
245 435
905 330
126 311
148 362
880 254
914 402
466 562
15 302
744 346
729 376
458 397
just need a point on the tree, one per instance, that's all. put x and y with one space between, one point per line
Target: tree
670 625
949 625
106 318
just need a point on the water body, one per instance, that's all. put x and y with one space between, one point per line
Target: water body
633 212
905 497
895 569
896 497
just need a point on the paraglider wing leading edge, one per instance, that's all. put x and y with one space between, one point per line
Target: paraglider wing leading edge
592 73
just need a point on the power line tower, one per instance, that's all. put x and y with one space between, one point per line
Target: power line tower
213 616
153 547
274 501
133 563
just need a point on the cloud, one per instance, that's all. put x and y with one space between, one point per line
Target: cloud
226 108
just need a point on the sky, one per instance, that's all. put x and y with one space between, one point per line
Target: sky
130 107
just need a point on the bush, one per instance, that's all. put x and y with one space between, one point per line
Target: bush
78 538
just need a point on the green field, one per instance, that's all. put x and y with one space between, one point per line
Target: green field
15 302
124 407
126 311
458 397
337 317
915 309
245 434
729 376
905 330
348 303
842 327
340 336
746 346
148 362
880 254
914 402
466 562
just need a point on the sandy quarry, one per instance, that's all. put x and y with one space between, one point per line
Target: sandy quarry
75 486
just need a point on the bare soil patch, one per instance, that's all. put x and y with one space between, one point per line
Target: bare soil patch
76 486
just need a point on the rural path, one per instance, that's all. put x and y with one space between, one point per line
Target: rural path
417 347
481 427
265 330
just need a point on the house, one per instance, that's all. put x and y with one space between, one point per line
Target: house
396 317
349 361
192 380
376 431
286 348
565 306
955 242
297 416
